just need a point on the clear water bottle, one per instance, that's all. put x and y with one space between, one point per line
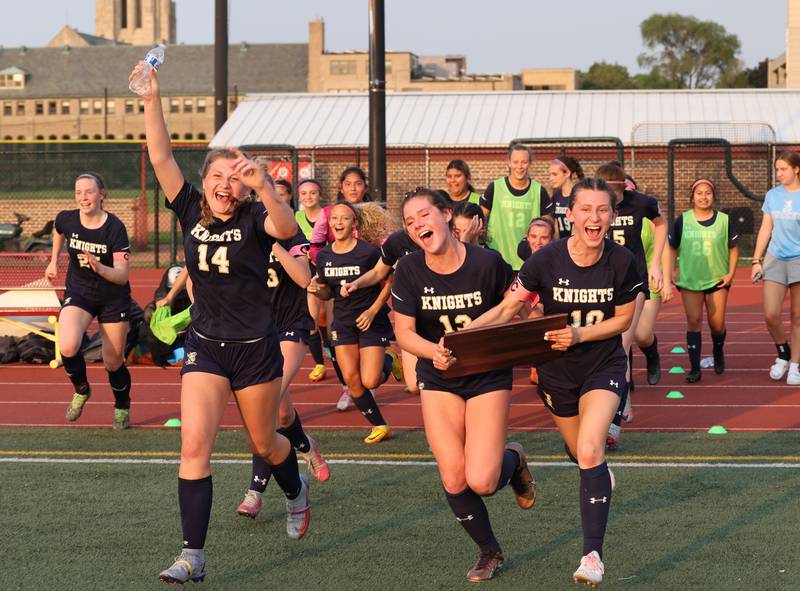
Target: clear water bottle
154 58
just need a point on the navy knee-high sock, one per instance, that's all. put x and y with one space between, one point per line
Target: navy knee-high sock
595 498
784 352
617 420
572 458
387 367
287 475
471 513
694 343
335 364
194 498
261 473
120 380
369 408
75 367
651 350
296 435
315 347
507 468
719 339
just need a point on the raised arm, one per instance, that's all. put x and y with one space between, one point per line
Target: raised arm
159 147
296 266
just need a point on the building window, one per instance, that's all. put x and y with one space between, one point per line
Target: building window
201 105
137 13
187 136
97 136
111 107
65 107
343 67
201 136
12 80
39 108
65 136
52 108
84 108
39 137
128 136
20 137
142 136
187 105
110 136
175 136
97 108
8 138
84 136
123 14
388 65
141 106
20 109
129 106
53 137
174 105
8 109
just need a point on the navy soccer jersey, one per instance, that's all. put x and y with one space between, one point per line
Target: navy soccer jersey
447 303
227 262
587 295
560 203
396 246
335 269
289 300
102 242
627 228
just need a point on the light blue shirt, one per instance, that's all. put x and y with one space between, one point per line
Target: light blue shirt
784 207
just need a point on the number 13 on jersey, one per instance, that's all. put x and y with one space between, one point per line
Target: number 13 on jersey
461 321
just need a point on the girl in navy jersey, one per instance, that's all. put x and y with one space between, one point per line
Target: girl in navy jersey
288 277
706 244
361 330
438 290
564 172
595 282
97 286
632 208
232 345
395 247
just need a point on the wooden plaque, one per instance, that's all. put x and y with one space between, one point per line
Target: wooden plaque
503 345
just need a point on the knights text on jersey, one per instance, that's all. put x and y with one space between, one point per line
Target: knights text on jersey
447 303
397 245
227 262
289 300
587 295
627 228
336 269
102 242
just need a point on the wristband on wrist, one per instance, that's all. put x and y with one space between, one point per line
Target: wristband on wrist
756 261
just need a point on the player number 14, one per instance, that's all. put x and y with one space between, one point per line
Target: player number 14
219 258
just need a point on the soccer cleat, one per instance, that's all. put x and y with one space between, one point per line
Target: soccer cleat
378 434
318 373
298 512
345 400
487 564
654 369
613 437
122 419
316 463
627 410
189 566
591 570
534 376
793 375
778 369
397 366
250 505
75 408
522 481
694 375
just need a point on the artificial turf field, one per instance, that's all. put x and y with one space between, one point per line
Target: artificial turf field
93 509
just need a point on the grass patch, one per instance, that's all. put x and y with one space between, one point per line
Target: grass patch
103 525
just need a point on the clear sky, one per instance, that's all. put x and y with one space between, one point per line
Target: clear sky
495 35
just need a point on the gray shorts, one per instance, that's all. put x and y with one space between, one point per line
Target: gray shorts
781 271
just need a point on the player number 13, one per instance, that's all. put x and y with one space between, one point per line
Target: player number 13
462 321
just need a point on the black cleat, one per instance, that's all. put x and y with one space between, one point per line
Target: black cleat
654 369
719 361
694 375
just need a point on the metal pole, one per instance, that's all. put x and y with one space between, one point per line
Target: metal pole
220 63
377 101
105 113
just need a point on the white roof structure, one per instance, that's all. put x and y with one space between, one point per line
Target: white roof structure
495 118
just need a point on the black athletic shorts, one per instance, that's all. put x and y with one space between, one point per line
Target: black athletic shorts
107 312
466 387
563 402
296 335
377 335
243 363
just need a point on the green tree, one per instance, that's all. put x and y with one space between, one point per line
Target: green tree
688 52
605 76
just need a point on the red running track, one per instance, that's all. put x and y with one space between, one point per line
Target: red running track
744 398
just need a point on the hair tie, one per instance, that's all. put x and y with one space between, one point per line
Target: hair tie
561 165
94 177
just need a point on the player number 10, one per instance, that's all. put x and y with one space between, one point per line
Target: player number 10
592 317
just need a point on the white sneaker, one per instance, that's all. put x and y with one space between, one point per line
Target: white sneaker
793 376
298 511
778 369
613 437
345 400
591 570
627 411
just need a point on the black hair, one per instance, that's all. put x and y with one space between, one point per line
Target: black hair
435 198
572 165
462 167
360 172
593 184
543 221
284 183
467 209
520 148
